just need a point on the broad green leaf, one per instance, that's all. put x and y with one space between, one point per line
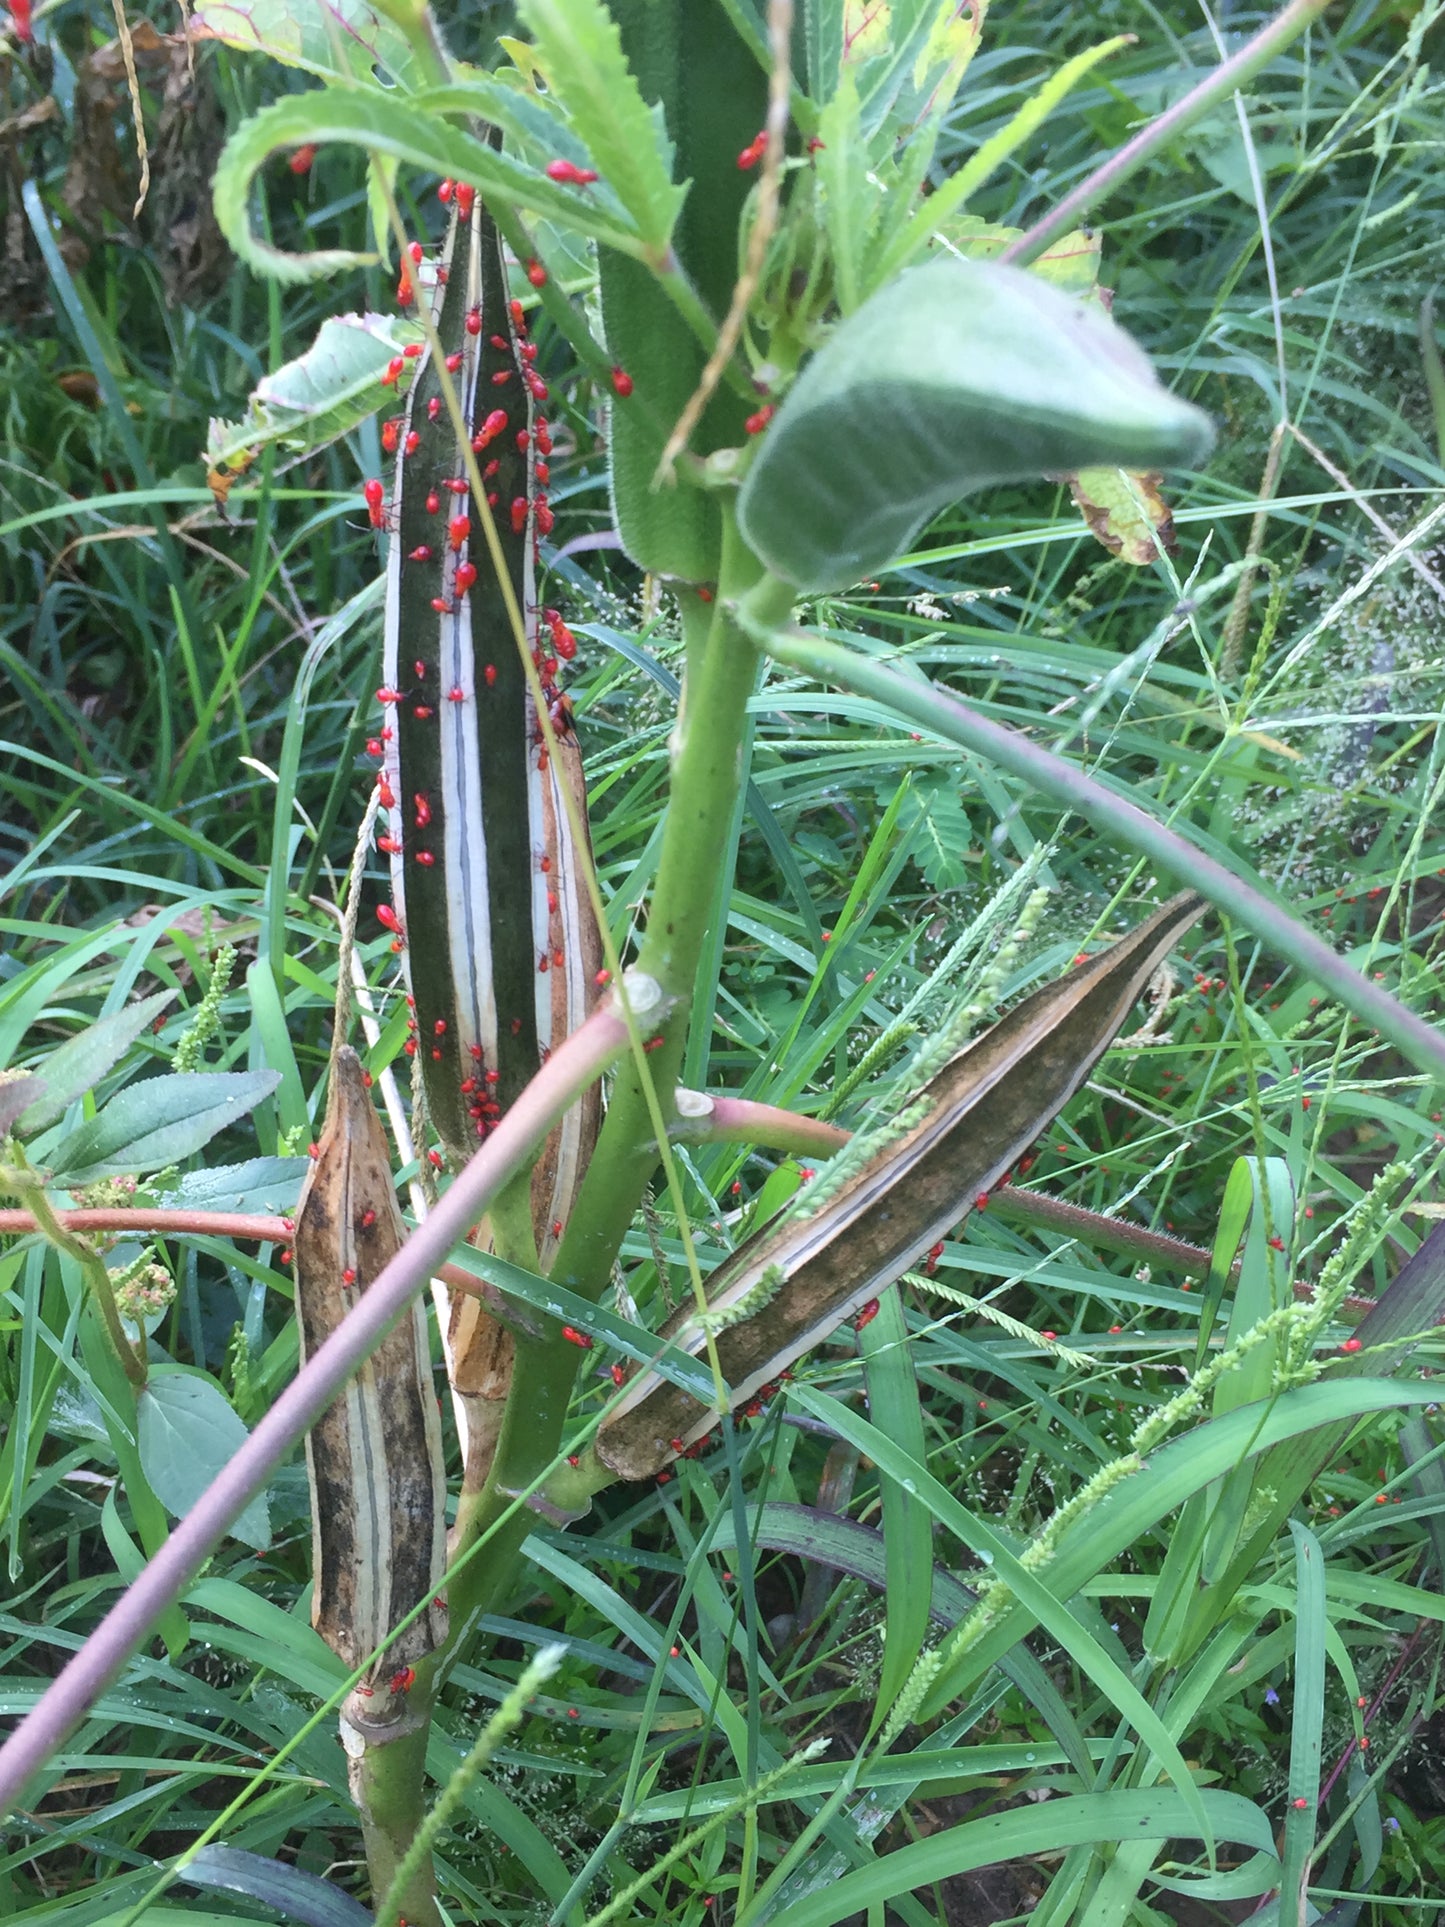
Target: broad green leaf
579 50
401 129
322 394
81 1061
959 376
258 1185
187 1433
341 40
156 1123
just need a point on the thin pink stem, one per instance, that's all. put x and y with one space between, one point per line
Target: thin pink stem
140 1223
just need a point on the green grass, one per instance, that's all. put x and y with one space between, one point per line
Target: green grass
163 747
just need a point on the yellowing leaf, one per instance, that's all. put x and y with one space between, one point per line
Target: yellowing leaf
867 29
1126 512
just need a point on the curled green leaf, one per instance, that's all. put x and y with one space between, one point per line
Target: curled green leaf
957 376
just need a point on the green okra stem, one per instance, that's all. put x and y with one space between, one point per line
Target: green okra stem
708 775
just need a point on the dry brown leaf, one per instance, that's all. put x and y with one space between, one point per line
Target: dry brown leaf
793 1283
374 1457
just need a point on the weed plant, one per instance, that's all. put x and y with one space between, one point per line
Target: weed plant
184 708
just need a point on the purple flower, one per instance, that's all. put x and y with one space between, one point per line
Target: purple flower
1271 1698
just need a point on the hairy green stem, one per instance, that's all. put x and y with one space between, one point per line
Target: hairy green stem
388 1784
708 776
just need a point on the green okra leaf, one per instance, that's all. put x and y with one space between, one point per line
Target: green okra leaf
875 1211
957 376
347 40
394 128
579 51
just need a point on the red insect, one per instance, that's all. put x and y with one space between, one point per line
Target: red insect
423 810
421 553
375 495
403 1680
754 151
473 322
465 196
866 1315
385 794
433 502
457 531
568 174
300 161
390 433
388 919
755 424
466 576
575 1337
536 274
494 425
519 514
445 191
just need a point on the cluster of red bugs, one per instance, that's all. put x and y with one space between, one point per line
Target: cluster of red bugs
529 514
